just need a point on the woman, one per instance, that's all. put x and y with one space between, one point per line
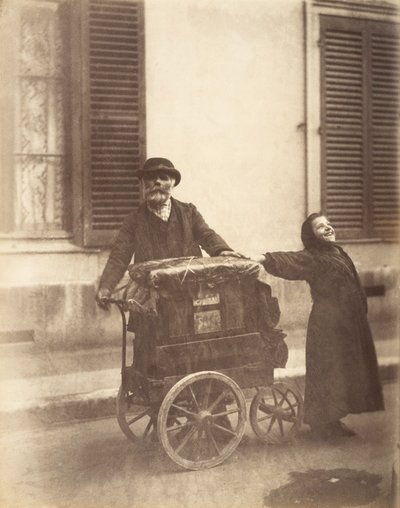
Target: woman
341 366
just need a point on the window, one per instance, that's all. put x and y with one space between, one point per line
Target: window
73 125
359 126
32 124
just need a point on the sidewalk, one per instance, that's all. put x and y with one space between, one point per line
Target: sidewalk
43 389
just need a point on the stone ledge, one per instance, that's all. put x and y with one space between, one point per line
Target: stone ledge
101 403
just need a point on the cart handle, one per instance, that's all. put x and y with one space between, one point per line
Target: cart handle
121 304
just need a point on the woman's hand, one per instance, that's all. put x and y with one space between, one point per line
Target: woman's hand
259 258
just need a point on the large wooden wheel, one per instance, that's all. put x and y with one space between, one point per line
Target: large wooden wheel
202 419
276 413
138 422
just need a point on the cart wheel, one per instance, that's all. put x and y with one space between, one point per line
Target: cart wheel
201 420
276 413
137 422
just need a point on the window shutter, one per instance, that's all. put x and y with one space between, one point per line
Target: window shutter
359 120
343 123
114 116
384 133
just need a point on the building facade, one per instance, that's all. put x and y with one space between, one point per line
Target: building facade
270 109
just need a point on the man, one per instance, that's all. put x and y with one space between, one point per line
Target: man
161 228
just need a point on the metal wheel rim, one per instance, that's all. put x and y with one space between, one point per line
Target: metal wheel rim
281 419
205 441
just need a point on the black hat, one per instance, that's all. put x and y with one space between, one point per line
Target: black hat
157 165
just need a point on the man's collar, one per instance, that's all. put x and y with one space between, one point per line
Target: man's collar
162 211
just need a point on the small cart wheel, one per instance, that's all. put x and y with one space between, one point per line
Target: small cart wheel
276 413
138 422
202 420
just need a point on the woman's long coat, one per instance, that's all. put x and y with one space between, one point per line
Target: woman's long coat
341 366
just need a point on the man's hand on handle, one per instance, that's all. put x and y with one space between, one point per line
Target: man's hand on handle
103 298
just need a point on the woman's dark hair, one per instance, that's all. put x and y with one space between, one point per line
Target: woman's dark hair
307 234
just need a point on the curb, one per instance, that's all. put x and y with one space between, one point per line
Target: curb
99 404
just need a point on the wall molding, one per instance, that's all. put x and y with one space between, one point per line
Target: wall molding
359 7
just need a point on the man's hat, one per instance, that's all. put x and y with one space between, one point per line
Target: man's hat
160 165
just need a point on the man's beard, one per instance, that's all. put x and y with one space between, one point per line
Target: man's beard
157 197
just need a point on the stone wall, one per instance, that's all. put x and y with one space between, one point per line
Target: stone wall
64 316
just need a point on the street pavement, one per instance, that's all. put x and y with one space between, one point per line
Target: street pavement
90 463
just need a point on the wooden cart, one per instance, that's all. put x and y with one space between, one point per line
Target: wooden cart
204 332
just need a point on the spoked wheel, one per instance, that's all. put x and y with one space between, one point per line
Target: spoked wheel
201 420
138 422
276 413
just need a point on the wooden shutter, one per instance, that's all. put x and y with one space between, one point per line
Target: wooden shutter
342 122
114 115
384 84
358 126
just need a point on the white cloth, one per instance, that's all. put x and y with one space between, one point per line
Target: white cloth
163 211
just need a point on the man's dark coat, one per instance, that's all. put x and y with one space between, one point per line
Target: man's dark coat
149 238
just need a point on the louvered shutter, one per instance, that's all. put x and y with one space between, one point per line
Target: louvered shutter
358 127
342 122
384 83
115 115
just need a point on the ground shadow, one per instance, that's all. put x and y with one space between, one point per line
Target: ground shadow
323 488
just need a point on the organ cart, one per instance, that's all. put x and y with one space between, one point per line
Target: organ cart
205 340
